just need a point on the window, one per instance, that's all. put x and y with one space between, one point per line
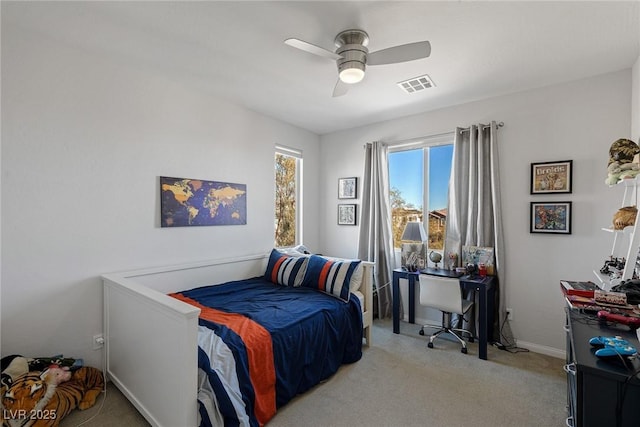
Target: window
419 176
288 197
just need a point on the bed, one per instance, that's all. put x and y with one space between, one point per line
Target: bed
152 322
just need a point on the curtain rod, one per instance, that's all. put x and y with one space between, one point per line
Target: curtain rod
417 140
498 125
396 144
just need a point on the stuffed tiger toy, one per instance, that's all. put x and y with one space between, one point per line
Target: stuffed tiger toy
42 399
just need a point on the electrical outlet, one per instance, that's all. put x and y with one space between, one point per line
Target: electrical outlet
98 341
509 314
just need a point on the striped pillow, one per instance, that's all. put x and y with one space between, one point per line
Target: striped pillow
285 270
330 275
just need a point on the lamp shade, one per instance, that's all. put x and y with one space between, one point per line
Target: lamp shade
414 232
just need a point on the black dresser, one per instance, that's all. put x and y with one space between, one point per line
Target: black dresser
600 393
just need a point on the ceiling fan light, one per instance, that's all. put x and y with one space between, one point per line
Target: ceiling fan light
351 75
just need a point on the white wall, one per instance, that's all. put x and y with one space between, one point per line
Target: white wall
578 121
84 140
85 137
635 102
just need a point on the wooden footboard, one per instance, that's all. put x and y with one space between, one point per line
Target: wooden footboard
151 339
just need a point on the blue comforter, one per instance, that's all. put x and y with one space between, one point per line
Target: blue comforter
261 344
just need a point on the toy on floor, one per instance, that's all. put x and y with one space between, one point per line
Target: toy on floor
42 398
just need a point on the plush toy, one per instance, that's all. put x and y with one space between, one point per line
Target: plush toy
621 166
617 171
56 375
624 217
29 394
623 151
12 367
43 398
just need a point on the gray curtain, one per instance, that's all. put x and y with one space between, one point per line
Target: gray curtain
376 242
474 216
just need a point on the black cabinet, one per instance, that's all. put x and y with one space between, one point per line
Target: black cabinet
600 393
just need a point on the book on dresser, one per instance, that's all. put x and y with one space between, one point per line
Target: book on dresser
579 288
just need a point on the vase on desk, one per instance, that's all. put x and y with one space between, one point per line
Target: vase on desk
453 261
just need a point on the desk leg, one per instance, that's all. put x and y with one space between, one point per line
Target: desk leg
411 279
396 303
482 318
491 298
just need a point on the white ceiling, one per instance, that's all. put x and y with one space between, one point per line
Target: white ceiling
235 49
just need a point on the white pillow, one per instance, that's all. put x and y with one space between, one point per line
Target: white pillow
295 251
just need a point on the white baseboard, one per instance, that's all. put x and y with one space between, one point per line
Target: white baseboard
542 349
536 348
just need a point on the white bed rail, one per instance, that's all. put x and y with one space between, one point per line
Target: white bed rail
367 289
151 345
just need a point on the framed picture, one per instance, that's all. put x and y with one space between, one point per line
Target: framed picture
348 188
551 177
479 255
346 214
550 217
187 202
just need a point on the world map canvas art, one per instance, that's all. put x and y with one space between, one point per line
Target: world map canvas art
192 202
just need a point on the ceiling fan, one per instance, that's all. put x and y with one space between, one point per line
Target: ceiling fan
352 55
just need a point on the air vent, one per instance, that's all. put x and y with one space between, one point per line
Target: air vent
416 84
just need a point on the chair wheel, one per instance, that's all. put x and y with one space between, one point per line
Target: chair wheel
421 332
464 350
471 340
430 345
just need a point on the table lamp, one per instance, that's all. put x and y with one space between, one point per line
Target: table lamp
413 232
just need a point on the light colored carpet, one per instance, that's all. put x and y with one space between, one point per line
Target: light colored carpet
400 382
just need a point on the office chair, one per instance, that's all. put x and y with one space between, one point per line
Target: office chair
444 294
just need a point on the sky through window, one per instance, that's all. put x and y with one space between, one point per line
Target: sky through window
405 174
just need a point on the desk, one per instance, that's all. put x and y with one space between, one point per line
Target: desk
484 286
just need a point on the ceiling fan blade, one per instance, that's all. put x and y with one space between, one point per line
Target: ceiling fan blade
402 53
311 48
340 89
